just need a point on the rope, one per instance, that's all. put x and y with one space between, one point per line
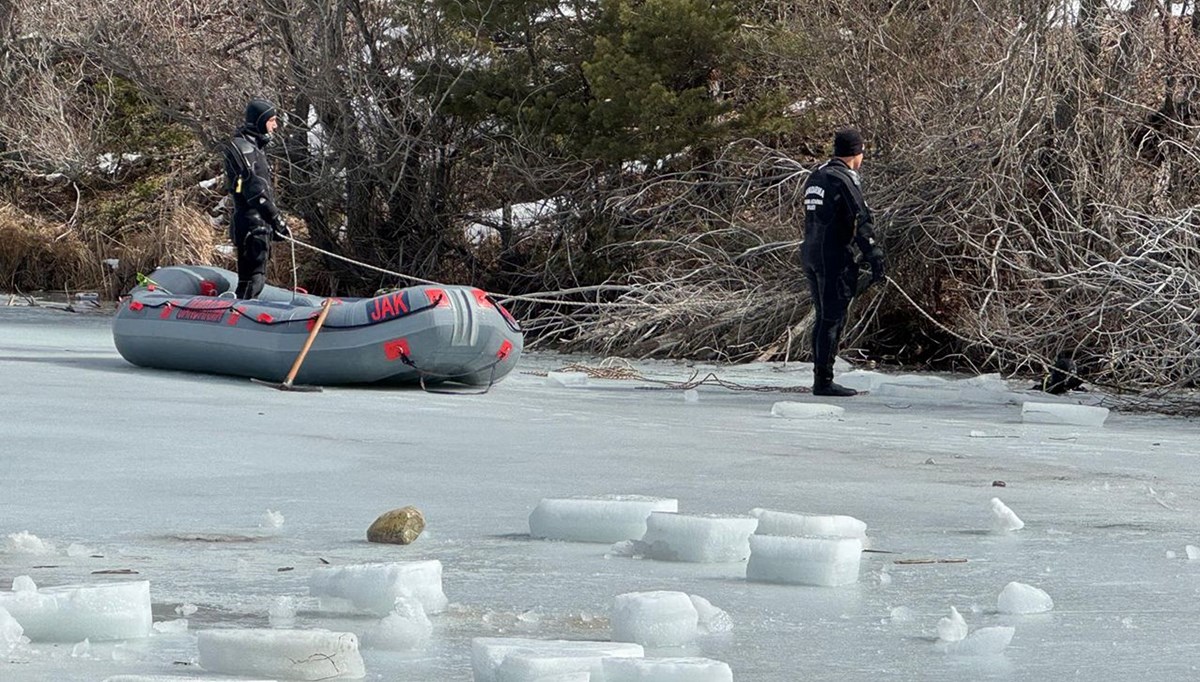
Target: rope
530 298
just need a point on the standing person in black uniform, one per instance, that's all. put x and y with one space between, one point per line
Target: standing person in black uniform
256 220
836 216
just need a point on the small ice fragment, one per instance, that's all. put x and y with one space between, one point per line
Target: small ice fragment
23 583
902 614
796 410
186 609
691 396
77 550
171 627
27 543
10 632
1170 554
405 629
983 642
713 620
952 628
272 519
1005 519
567 379
282 613
1019 598
1193 552
82 649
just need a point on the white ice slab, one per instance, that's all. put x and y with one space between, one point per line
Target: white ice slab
771 522
655 619
488 653
549 664
988 641
1019 598
820 561
11 632
944 393
285 654
1004 520
1063 413
666 670
601 518
795 410
72 613
373 588
699 538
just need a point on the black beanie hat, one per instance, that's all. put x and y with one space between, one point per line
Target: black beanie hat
848 142
258 112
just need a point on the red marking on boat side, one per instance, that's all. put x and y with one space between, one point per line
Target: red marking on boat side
265 318
166 311
207 288
437 297
396 349
234 314
204 310
482 298
387 307
136 305
505 349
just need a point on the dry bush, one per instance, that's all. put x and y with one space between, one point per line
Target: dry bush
36 254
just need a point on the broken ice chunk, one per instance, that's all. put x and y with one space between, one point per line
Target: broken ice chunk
1004 519
1019 598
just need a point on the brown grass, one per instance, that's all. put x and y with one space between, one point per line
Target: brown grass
36 254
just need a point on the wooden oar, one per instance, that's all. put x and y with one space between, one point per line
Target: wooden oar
312 335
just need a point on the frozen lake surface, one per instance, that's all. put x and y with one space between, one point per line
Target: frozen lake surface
171 475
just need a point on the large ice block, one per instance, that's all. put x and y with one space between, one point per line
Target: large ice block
373 588
666 670
602 518
72 613
655 619
772 522
488 653
286 654
1063 413
821 561
699 538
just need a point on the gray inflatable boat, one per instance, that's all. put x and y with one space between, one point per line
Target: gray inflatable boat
185 318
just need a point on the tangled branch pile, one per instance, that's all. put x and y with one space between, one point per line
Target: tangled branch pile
1034 164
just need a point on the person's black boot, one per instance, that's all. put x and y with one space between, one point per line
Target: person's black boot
828 388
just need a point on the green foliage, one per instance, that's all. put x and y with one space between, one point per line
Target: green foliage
134 124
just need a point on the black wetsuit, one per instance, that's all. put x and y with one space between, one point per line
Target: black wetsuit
836 217
256 220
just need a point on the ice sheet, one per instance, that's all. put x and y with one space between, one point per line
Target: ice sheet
168 474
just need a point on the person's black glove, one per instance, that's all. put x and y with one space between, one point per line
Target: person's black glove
281 231
878 264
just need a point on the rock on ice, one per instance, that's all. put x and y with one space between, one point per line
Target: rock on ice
71 613
772 522
373 588
655 619
794 410
489 653
666 670
820 561
602 518
1019 598
1063 413
698 538
1004 519
290 654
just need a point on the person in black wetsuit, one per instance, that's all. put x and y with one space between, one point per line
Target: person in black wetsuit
836 217
256 219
